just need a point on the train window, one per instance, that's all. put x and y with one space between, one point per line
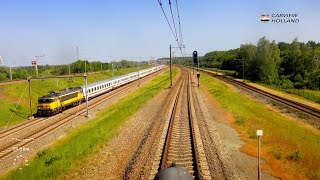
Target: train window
95 88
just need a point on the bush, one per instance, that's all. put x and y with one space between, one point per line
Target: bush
240 121
296 155
286 84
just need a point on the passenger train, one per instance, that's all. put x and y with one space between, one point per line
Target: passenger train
56 101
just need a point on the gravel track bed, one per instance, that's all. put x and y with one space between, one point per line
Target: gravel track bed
37 145
220 165
141 164
227 141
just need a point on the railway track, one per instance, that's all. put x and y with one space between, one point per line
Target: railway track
7 148
183 145
288 102
20 127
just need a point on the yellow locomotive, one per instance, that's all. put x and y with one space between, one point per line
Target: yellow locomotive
56 101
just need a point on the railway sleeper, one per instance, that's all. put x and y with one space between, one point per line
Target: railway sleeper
180 159
178 153
182 147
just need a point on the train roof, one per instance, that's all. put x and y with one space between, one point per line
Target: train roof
53 94
110 80
115 78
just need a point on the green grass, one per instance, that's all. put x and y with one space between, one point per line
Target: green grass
11 93
291 145
312 95
69 152
226 72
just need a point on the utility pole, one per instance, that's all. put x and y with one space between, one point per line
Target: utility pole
30 100
171 63
77 51
139 73
244 80
86 91
242 61
10 73
112 68
170 69
85 66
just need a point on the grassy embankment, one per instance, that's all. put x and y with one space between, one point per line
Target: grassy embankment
69 152
290 148
312 95
11 93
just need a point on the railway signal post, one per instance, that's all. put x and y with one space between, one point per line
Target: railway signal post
196 61
86 91
259 134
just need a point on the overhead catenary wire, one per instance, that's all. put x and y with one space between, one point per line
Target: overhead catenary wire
177 34
174 23
160 3
179 22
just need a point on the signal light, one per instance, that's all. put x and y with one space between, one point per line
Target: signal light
195 57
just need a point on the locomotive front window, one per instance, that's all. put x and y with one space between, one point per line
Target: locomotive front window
45 100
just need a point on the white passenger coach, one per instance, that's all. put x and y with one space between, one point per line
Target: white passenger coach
97 88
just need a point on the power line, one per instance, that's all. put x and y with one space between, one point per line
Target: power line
174 24
160 3
180 32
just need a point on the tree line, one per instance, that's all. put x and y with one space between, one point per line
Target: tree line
295 64
75 67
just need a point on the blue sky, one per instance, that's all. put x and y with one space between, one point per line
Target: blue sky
137 30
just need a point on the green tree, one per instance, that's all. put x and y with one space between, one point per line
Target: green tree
248 54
